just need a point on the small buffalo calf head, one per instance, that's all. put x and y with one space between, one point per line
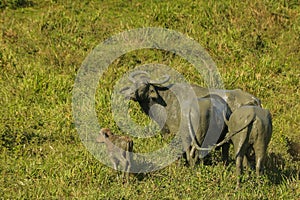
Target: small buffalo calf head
103 135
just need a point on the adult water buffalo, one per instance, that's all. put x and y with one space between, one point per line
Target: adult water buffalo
169 105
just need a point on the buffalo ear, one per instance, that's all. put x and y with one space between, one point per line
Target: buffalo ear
128 93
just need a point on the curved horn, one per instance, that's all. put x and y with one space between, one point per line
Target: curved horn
135 73
160 82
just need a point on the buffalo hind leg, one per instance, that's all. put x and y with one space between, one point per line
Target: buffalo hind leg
239 150
239 169
259 159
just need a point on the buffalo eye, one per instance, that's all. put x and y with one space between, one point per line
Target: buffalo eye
152 91
152 94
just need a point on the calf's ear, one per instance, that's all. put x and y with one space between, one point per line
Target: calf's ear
106 134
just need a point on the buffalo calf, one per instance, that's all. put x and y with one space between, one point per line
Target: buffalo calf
118 149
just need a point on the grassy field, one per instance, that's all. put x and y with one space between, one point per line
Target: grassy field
255 44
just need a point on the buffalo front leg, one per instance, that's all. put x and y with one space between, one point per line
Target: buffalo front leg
115 162
125 165
126 171
194 156
189 153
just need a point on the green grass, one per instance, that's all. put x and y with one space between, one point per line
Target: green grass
255 45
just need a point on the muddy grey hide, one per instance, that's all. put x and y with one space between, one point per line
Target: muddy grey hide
211 130
250 129
183 102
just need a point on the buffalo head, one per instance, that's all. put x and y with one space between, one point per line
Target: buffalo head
143 89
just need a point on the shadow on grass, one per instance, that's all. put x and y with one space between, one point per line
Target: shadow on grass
15 4
10 140
277 171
